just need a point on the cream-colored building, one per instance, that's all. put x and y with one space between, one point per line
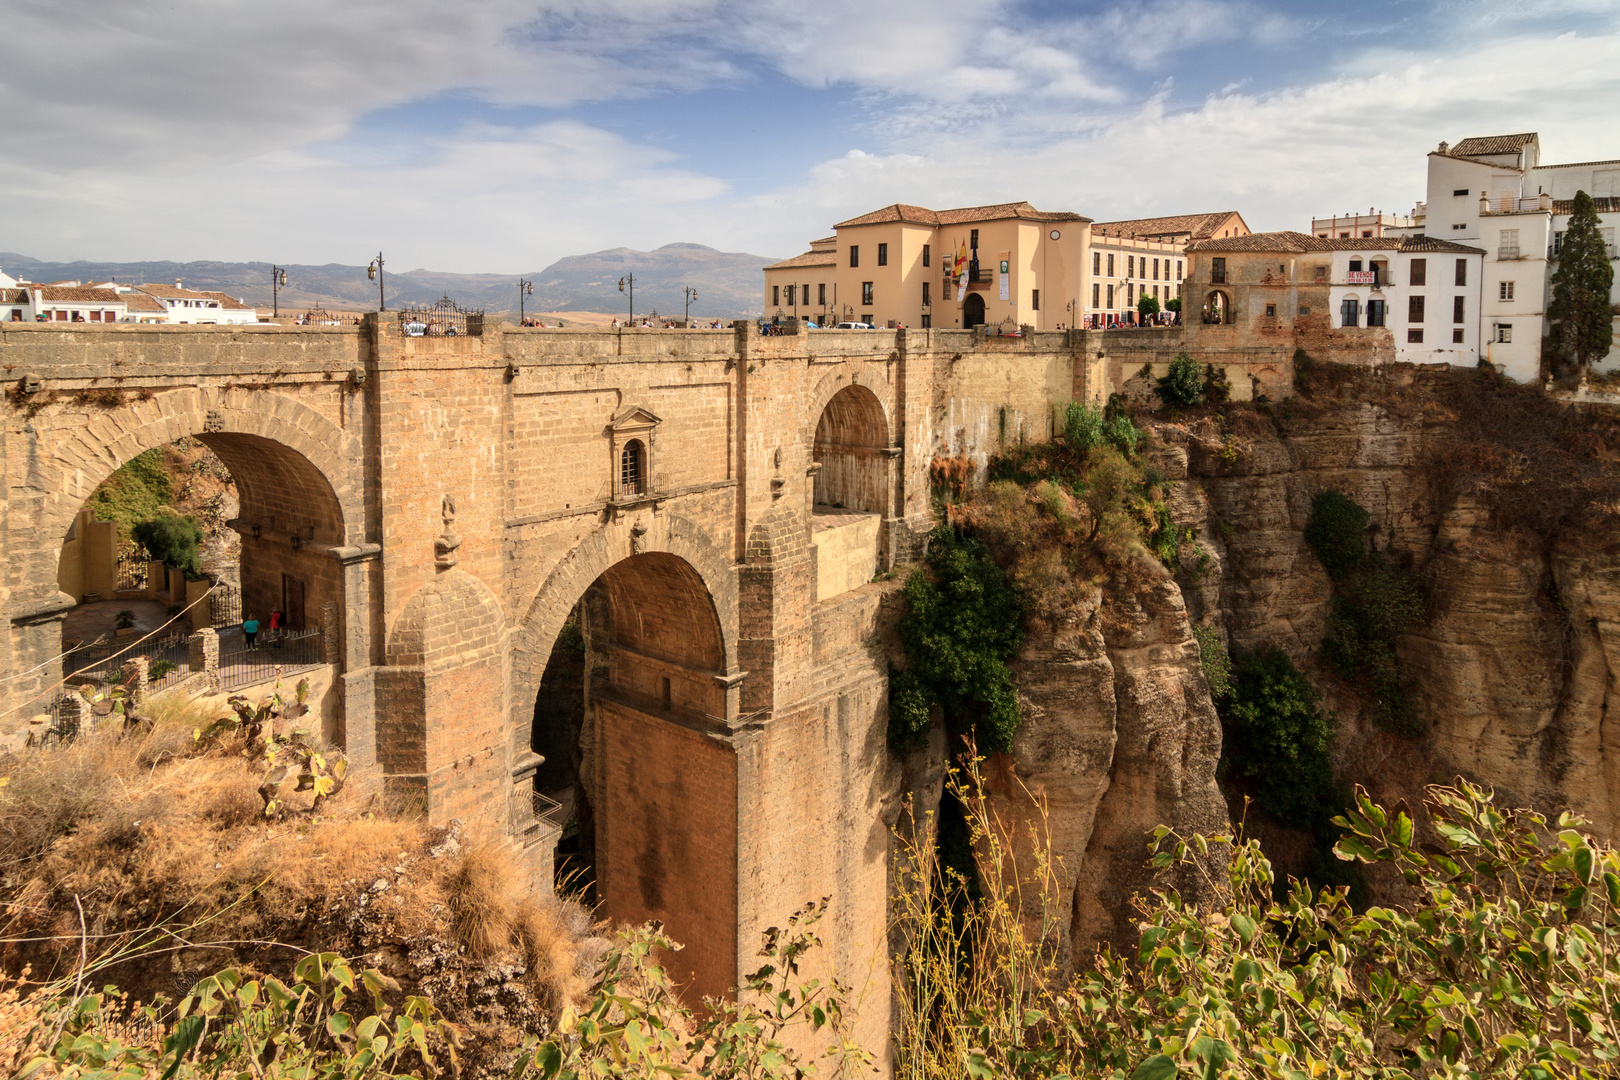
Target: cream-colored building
1147 257
1003 265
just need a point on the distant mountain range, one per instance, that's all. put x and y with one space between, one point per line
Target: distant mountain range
729 284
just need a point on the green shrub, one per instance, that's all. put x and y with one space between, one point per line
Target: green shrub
1217 389
1123 435
175 540
1337 532
138 491
1147 306
1277 739
1084 427
959 630
158 669
1181 386
1370 610
1217 665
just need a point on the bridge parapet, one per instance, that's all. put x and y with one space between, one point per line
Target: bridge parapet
91 351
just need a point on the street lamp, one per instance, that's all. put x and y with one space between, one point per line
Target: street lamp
691 295
375 273
278 278
524 288
630 281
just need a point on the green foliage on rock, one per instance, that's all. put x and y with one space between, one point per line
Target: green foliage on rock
1370 610
1215 661
1277 740
1181 385
1217 387
960 628
1085 427
175 540
1580 312
138 491
1337 532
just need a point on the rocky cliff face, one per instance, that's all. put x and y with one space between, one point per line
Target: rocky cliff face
1515 668
1118 736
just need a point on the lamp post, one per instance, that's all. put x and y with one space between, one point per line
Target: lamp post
691 295
278 278
524 288
627 284
375 273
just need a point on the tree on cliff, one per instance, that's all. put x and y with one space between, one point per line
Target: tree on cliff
1581 316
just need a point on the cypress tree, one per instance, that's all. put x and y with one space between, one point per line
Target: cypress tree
1583 328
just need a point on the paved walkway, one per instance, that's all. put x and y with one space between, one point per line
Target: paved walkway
90 621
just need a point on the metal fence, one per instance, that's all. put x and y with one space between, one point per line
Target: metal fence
168 661
225 605
132 573
278 653
443 319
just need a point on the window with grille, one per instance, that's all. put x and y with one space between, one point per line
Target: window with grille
1420 272
1457 306
1096 262
1462 271
1110 264
1095 293
632 466
1375 313
1457 336
1504 290
1414 309
1217 271
1414 337
1350 313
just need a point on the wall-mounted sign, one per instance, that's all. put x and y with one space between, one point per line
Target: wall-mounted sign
1006 292
1363 277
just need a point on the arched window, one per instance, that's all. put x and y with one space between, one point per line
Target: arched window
632 467
1217 309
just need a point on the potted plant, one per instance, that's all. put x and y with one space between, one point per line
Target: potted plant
124 622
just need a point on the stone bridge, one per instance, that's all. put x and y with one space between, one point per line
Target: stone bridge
630 570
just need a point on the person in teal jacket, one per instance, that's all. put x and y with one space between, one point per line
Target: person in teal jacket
250 630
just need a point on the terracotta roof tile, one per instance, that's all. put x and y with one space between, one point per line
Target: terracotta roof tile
1492 144
1604 204
170 292
809 258
139 301
58 294
921 215
1285 240
1434 243
13 296
230 303
1195 226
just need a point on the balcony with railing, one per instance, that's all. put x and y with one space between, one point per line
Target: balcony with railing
1513 204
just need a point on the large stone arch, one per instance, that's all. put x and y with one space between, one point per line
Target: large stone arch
592 557
67 471
851 373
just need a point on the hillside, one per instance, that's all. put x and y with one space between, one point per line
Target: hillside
728 283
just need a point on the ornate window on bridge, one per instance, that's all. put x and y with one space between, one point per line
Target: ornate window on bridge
631 443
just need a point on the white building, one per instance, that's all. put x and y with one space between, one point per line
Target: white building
1425 291
190 306
1493 192
1352 226
71 303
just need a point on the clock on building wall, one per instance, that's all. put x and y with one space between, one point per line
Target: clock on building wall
1054 234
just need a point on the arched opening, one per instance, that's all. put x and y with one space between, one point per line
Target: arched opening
647 799
1217 309
850 489
972 311
265 517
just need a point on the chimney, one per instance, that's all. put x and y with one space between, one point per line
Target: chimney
178 285
1443 146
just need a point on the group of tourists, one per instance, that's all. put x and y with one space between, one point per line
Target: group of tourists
273 635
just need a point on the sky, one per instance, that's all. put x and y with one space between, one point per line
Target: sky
500 135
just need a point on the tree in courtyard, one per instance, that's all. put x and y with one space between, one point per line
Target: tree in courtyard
175 541
1582 320
1147 307
1173 305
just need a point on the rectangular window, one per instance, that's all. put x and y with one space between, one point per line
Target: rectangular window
973 239
792 292
927 254
1110 293
1130 266
1460 226
1366 234
1096 262
1178 269
1271 311
1504 290
95 316
1130 295
866 292
1155 292
1457 306
1355 266
1155 269
1096 291
776 296
1110 264
1420 272
1414 309
925 294
1414 337
1457 336
1217 270
1504 333
1558 243
1460 191
1375 313
1462 271
928 320
1608 241
1321 274
854 255
1350 313
883 254
1508 244
821 295
1035 299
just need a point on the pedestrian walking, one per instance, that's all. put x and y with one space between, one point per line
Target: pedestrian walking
250 630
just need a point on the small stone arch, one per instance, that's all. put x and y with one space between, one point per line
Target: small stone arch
849 374
1217 308
851 469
